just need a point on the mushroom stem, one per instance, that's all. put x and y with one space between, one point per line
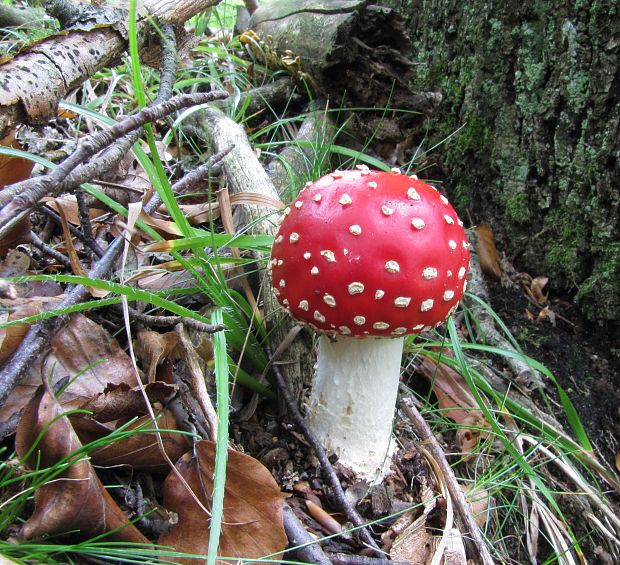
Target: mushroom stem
353 400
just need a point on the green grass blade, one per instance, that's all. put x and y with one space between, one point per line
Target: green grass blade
221 448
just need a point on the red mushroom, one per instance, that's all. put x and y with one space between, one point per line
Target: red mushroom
372 255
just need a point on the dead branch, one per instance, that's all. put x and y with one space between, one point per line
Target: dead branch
462 507
304 547
34 82
23 195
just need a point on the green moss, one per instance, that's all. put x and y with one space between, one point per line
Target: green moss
517 208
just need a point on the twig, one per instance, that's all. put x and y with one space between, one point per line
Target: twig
87 229
25 194
304 547
326 467
47 250
349 559
212 167
92 245
165 321
460 503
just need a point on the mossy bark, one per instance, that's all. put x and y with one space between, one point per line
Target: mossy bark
534 87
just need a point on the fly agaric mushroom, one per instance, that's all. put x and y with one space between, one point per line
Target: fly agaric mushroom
366 257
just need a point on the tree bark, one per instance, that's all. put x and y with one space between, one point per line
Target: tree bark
355 54
534 87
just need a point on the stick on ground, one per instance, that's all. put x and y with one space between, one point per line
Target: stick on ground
461 505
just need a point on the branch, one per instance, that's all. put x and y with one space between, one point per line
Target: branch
25 194
462 506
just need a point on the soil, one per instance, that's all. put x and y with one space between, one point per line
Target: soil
585 359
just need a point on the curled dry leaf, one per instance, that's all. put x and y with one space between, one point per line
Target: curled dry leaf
11 337
537 287
487 252
618 460
75 500
252 525
152 348
479 500
141 451
17 263
470 430
454 550
412 541
121 401
82 350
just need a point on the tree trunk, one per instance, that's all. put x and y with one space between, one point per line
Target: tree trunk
534 87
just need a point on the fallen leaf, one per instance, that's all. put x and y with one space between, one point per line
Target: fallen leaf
413 544
18 308
75 500
470 430
454 550
17 263
479 500
68 203
121 401
82 350
452 392
141 451
487 252
536 288
152 348
252 525
12 170
618 460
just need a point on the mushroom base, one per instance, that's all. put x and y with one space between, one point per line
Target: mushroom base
353 400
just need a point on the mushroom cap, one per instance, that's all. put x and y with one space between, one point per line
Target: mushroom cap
369 253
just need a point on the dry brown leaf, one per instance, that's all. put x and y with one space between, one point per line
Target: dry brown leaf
82 350
450 388
141 451
537 286
487 252
69 205
201 213
413 543
469 432
162 226
454 551
618 460
122 401
479 500
75 500
152 348
12 170
11 337
17 263
253 518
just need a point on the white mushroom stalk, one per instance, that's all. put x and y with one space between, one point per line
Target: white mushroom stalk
366 257
352 402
